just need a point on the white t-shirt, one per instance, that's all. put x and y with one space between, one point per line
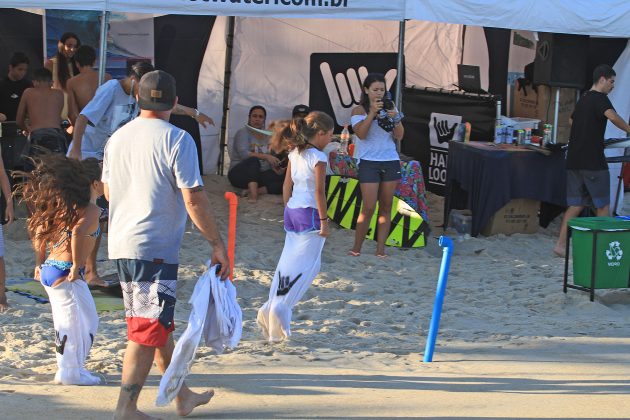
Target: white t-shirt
378 145
303 176
146 164
110 109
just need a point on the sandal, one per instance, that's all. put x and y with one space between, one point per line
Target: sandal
354 253
382 256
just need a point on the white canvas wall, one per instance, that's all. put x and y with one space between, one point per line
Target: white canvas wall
621 101
271 63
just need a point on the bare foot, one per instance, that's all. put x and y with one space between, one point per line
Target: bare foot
93 279
559 251
382 256
96 282
3 303
187 400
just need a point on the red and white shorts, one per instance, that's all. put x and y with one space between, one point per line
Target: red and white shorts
149 293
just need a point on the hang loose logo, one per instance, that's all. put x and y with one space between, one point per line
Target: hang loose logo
60 344
285 283
444 133
344 89
442 129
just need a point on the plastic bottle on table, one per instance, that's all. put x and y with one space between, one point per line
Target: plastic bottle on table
498 132
528 136
547 134
344 140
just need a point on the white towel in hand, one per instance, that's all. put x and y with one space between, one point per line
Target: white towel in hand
206 303
224 322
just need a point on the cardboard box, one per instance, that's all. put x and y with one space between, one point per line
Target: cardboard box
461 221
518 216
539 104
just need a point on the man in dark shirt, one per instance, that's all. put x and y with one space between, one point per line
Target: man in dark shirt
12 87
588 180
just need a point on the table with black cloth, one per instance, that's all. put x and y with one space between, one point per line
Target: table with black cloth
483 177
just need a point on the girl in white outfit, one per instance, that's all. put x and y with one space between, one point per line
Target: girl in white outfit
305 219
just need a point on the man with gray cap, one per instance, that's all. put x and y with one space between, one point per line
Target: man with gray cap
151 177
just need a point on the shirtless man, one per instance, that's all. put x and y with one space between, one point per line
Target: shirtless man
81 88
39 114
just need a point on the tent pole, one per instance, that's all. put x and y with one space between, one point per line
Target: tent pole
229 43
400 63
555 116
400 69
461 60
102 59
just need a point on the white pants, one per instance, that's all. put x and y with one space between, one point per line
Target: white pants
76 322
299 264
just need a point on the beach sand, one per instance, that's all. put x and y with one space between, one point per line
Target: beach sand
511 343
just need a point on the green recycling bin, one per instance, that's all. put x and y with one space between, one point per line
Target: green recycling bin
611 256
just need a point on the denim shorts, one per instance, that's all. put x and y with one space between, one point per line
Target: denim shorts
373 171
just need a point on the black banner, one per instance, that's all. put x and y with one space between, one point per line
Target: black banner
180 43
20 31
336 78
432 118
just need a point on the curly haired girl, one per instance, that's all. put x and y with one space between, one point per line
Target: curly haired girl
61 194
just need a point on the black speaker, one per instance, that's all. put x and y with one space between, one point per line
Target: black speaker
561 60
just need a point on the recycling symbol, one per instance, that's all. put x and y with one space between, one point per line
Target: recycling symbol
614 252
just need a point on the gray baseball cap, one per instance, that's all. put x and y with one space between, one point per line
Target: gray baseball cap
157 91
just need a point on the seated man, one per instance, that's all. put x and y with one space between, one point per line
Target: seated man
42 105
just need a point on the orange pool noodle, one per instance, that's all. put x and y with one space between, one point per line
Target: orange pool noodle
231 245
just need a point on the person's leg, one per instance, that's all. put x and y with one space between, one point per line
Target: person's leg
186 399
136 366
384 221
570 213
149 294
272 181
603 211
91 274
577 199
245 175
3 294
369 193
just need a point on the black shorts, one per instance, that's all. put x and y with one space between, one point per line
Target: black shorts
586 187
373 171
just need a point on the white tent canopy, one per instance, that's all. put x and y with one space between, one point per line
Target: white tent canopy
596 18
587 17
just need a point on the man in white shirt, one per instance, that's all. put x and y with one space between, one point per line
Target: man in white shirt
152 181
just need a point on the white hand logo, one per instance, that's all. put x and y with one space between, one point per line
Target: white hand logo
441 129
344 89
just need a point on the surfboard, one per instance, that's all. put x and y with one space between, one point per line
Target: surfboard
343 196
33 289
614 143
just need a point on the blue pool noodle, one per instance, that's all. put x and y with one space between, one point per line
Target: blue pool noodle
446 243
